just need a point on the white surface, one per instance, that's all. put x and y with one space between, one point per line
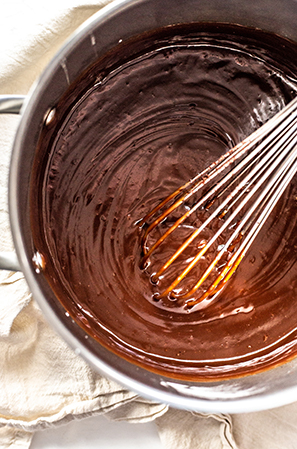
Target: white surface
97 432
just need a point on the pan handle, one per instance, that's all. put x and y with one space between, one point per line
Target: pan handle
10 104
9 261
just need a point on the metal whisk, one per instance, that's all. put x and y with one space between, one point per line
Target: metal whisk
233 198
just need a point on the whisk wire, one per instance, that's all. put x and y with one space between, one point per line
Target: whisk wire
207 175
265 163
269 196
258 170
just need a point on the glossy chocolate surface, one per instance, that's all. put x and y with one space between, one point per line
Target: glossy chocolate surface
141 122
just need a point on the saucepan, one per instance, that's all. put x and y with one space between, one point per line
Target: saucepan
122 20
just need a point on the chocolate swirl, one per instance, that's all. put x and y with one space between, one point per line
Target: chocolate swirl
135 133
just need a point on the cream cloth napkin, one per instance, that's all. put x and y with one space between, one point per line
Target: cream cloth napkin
42 382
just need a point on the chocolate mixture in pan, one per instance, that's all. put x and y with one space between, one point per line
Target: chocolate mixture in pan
144 120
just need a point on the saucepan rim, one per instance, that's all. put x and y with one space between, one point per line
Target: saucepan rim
185 395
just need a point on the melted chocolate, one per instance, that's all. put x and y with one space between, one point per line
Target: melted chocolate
142 121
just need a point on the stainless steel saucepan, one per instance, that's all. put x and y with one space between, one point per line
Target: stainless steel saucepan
122 20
